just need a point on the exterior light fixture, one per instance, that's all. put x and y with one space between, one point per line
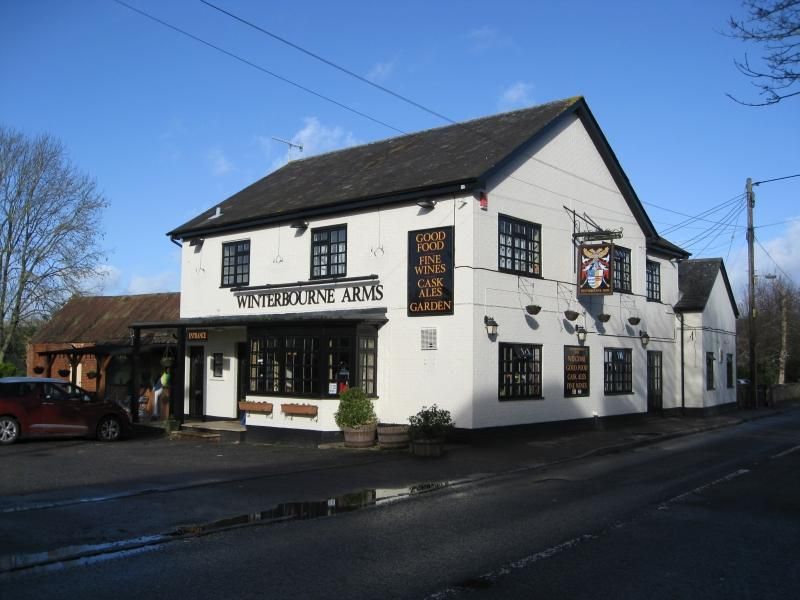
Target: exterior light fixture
581 333
301 225
427 204
483 199
645 338
491 326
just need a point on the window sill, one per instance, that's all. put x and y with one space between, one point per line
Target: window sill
518 399
618 393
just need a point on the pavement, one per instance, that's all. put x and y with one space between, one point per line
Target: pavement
211 485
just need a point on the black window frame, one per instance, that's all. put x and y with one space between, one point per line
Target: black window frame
519 383
239 274
653 281
307 362
622 270
710 379
617 371
729 370
325 246
525 232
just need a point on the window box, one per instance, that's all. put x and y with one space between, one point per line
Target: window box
256 407
300 410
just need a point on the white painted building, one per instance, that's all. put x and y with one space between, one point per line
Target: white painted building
381 266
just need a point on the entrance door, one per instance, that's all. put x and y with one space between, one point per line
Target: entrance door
654 381
242 375
197 378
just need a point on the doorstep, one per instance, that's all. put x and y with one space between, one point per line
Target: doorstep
222 431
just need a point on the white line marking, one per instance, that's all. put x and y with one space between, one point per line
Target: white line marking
702 488
785 453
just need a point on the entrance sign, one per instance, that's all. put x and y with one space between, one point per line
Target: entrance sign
197 335
576 371
430 272
596 274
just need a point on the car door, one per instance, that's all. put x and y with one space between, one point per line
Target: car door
60 412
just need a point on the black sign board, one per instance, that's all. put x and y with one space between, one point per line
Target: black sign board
576 371
430 272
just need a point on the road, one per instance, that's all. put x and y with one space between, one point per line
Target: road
713 515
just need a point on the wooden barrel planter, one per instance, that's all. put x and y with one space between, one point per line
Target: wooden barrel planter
362 436
391 437
431 447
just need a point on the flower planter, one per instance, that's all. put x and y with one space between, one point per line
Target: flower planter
571 314
63 372
362 436
603 317
299 410
634 320
92 374
533 309
256 407
428 448
38 369
391 437
167 361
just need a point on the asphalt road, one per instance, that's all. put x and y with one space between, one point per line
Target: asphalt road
713 515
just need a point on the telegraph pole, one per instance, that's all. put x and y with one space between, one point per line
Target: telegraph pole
751 202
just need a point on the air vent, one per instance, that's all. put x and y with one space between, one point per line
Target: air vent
428 338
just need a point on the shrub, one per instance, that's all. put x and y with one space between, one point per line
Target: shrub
7 370
431 422
355 409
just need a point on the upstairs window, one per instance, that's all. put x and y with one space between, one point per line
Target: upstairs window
519 247
236 263
653 280
329 252
622 269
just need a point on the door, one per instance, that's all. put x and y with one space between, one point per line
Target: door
197 379
242 375
654 381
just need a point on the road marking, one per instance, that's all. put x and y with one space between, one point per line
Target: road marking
702 488
785 453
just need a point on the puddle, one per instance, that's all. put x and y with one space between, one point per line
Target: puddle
280 513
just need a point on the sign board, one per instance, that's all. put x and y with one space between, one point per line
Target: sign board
576 371
596 272
197 335
430 272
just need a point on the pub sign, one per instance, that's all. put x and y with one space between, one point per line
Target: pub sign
596 273
430 272
576 371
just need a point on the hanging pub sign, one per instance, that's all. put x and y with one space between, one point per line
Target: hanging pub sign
430 272
596 273
576 371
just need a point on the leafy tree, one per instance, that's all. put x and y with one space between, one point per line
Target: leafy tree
49 231
774 25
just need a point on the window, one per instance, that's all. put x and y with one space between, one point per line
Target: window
653 280
519 247
329 252
618 377
520 371
622 269
216 364
709 370
729 370
236 263
315 363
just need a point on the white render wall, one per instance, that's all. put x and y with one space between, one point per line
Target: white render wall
561 169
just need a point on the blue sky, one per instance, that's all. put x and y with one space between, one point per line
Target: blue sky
170 127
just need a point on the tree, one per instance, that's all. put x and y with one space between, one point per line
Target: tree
775 26
49 231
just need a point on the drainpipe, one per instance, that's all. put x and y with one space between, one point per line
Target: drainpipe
683 387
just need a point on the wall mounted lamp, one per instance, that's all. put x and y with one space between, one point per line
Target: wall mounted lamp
427 204
644 337
491 326
581 333
302 225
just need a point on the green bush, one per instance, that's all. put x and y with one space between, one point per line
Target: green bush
355 409
430 423
7 370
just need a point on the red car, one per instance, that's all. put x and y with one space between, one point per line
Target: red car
38 406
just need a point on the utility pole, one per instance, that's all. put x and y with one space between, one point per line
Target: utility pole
751 272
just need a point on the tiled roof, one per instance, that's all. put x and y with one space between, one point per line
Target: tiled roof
696 280
105 319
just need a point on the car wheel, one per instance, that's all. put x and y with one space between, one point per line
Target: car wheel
9 430
109 429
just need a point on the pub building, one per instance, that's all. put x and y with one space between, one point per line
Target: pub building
502 268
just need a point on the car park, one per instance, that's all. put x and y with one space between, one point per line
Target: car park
43 407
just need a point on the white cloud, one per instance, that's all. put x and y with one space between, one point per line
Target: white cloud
486 38
315 138
381 71
166 281
517 95
107 281
220 165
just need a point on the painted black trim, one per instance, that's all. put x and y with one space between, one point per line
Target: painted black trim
327 244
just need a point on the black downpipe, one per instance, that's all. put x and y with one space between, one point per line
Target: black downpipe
683 388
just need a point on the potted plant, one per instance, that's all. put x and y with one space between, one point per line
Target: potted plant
38 369
91 374
428 430
63 372
356 417
533 309
571 314
392 436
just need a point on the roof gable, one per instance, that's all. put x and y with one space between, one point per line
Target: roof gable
696 280
106 319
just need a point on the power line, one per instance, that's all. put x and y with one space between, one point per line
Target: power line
698 217
760 245
259 67
776 179
726 222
